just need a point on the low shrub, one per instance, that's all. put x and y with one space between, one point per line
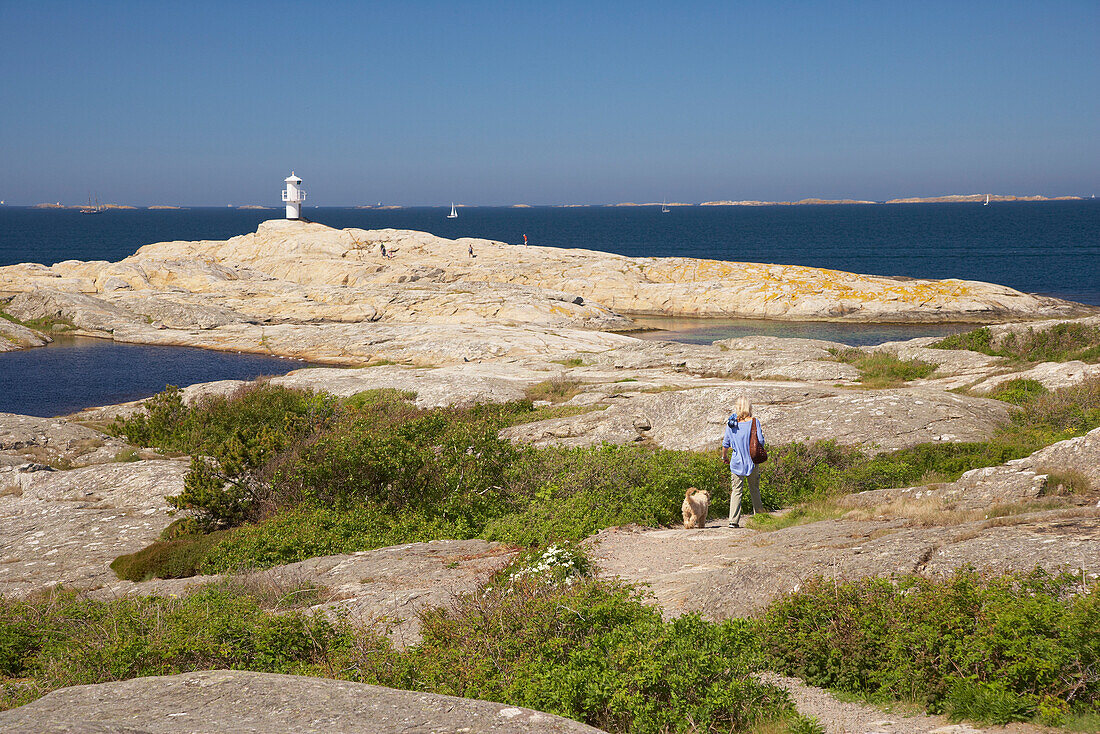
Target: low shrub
64 639
1018 391
978 340
570 493
589 651
1060 343
1061 482
992 649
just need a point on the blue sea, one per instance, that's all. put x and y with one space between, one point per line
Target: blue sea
1051 248
1037 247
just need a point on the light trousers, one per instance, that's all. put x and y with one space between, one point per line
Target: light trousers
737 482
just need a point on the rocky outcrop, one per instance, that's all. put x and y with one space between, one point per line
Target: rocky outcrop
724 573
53 442
386 588
693 419
16 336
243 702
1015 481
217 294
1052 375
66 527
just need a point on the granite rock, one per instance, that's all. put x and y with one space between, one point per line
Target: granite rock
244 702
16 336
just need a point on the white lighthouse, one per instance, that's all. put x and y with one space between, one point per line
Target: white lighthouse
293 196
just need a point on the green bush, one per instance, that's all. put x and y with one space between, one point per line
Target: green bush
64 639
978 340
378 471
231 438
570 493
589 651
990 649
1018 391
1060 343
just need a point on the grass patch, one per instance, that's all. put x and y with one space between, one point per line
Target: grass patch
126 456
554 390
1062 482
1013 648
883 369
168 559
58 323
801 515
571 362
1018 391
1060 343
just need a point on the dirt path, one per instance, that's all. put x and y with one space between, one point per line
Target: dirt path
839 717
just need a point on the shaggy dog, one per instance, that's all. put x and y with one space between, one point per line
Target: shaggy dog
695 507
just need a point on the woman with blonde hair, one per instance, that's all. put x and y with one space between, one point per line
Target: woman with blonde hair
735 449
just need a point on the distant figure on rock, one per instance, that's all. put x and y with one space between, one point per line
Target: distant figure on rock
472 251
735 449
384 253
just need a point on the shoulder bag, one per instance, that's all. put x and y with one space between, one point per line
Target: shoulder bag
756 449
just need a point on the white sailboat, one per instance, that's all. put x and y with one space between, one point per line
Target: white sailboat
453 214
664 207
986 200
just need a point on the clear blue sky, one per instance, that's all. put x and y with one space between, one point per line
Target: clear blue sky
545 102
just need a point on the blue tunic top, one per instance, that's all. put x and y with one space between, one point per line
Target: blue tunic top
737 440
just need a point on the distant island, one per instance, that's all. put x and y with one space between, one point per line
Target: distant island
59 205
976 198
754 202
945 199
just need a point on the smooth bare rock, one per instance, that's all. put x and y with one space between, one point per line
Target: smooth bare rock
1015 481
85 312
1052 375
362 343
243 702
178 314
498 381
761 357
55 441
16 336
724 573
386 588
694 419
66 527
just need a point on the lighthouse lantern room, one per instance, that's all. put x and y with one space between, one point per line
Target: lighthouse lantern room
293 196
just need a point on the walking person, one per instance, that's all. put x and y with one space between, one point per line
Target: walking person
735 449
